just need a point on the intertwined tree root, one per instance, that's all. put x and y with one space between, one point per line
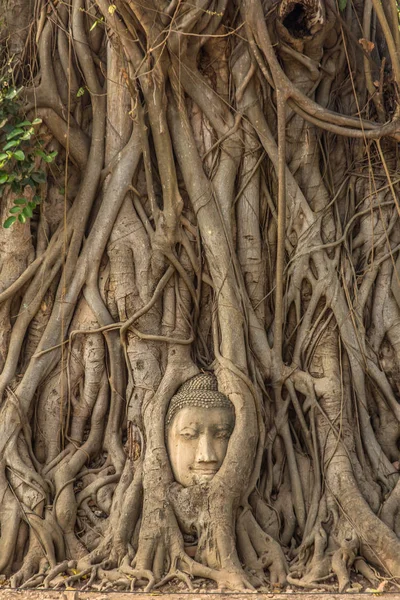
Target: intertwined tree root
225 197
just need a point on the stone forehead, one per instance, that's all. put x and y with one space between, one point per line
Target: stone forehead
199 391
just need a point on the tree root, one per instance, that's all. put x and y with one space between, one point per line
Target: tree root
216 169
310 583
35 580
180 575
52 574
33 564
341 563
361 567
182 567
259 551
138 575
332 555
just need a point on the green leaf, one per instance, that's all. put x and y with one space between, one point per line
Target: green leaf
20 201
21 218
11 94
11 144
32 205
37 199
23 124
39 177
15 132
37 121
48 157
15 209
27 211
3 156
3 178
19 155
80 92
8 222
342 4
28 134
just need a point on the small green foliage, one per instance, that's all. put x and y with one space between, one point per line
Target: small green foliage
8 222
19 155
20 145
46 157
27 211
14 132
342 4
39 177
11 144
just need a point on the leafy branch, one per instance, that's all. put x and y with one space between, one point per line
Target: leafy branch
19 147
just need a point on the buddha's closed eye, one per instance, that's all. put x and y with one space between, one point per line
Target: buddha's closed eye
188 434
223 434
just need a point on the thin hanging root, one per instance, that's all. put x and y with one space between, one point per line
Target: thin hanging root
178 575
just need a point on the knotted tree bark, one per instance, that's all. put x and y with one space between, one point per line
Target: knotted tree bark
224 198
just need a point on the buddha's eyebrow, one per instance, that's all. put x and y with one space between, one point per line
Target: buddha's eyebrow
192 427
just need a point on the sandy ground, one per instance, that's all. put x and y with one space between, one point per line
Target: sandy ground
7 594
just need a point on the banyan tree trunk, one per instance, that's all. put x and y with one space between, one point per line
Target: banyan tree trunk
224 197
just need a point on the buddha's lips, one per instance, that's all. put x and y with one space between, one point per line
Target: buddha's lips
205 471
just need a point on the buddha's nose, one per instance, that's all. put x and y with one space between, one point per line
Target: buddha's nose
205 450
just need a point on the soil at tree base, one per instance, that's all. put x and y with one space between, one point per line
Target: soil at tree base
7 594
203 588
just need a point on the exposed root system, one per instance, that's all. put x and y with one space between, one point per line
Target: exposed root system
225 198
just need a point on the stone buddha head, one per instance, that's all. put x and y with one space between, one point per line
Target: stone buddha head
199 423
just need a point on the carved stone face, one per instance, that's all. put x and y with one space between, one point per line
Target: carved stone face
197 440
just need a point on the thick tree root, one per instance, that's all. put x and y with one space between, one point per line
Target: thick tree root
61 568
260 552
180 575
222 208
